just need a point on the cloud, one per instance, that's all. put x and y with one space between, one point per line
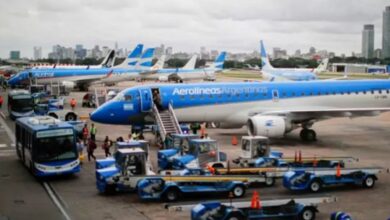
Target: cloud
231 25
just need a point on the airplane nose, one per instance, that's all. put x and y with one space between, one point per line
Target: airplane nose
98 116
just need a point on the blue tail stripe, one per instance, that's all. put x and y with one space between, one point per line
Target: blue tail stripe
148 53
137 51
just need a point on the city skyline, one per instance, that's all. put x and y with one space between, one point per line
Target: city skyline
235 26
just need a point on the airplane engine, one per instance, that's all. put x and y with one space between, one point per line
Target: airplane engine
269 126
163 78
68 84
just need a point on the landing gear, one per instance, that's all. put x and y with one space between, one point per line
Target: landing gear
308 135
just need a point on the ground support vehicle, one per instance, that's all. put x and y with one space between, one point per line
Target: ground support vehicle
289 208
201 153
174 147
172 188
110 161
315 180
253 147
131 165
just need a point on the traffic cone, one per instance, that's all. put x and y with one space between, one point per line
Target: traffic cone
234 140
300 156
338 171
255 202
315 161
295 157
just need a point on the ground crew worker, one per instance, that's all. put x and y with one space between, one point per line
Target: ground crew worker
73 103
85 134
157 100
194 127
203 129
1 101
90 149
93 132
80 149
106 146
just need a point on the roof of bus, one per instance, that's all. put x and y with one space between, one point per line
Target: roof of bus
19 92
26 122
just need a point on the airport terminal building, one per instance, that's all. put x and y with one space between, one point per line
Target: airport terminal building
359 68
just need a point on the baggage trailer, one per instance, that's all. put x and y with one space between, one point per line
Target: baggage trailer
316 179
290 208
172 188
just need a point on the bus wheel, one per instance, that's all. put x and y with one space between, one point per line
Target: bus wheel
70 117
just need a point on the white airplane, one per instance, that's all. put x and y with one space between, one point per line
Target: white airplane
285 74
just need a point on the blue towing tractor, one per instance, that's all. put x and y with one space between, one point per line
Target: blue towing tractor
110 161
173 148
201 153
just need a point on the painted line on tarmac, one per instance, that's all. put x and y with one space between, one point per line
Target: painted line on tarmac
2 114
7 130
3 145
55 199
53 196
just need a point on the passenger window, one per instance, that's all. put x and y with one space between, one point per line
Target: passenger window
380 91
293 94
319 93
302 94
372 91
364 92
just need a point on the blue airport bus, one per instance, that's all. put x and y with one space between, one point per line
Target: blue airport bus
20 104
47 146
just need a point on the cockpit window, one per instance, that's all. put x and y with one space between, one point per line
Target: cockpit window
119 97
127 97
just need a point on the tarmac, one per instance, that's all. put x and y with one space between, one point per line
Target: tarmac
367 138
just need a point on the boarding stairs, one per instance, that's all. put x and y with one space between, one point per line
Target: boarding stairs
166 121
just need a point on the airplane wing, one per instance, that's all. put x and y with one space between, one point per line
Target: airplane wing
321 113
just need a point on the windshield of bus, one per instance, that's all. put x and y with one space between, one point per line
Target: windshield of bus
54 145
21 103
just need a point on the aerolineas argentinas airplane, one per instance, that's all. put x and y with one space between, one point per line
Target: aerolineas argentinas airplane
268 108
283 74
79 77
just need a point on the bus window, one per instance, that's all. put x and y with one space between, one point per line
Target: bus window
64 145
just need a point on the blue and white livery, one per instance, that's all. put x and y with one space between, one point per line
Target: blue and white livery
187 72
280 74
269 109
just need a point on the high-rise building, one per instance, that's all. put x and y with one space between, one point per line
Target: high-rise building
386 33
14 55
368 41
312 50
37 53
378 53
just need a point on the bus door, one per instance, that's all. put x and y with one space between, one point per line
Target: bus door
146 99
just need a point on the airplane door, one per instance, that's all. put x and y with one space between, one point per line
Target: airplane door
275 95
146 100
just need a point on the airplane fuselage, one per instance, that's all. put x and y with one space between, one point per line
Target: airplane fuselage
234 103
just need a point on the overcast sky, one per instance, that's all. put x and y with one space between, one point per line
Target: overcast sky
232 25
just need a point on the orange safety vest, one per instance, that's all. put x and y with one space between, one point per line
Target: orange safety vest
85 132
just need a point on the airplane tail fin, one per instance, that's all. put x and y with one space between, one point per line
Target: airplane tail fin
160 63
109 59
265 64
190 65
322 67
145 62
219 61
132 58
